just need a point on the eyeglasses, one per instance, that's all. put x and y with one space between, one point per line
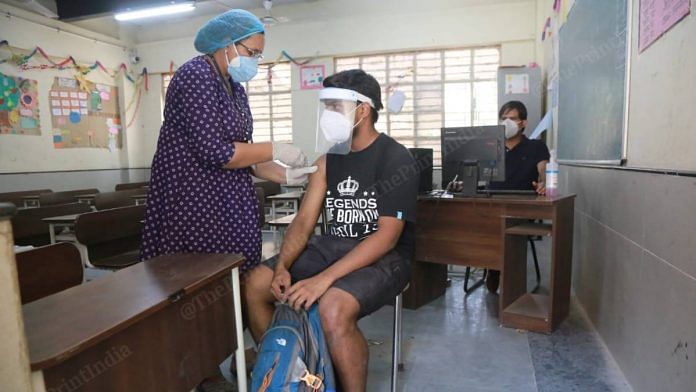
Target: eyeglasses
255 53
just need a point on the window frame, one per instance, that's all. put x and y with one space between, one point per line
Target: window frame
271 93
263 69
412 81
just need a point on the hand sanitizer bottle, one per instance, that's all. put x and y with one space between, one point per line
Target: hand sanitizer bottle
552 176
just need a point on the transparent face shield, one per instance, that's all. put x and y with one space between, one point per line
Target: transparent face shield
335 119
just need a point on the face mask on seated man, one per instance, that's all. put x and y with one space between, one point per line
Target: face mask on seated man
336 114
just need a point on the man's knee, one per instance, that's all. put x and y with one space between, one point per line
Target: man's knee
338 311
257 284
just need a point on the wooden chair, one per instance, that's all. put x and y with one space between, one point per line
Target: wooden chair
29 229
269 189
56 198
47 270
131 185
16 197
123 198
112 237
261 196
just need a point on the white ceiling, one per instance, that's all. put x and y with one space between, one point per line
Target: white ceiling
182 25
204 9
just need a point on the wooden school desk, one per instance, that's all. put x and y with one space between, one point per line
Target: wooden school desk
161 325
485 233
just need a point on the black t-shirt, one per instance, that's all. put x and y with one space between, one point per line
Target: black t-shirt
521 165
380 180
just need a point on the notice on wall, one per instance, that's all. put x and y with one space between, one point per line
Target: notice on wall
84 117
19 106
658 16
312 77
516 84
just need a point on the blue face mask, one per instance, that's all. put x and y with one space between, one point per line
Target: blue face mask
241 68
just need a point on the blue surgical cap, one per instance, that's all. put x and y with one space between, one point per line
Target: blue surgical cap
225 29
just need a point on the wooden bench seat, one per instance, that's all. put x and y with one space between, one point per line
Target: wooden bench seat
132 185
122 198
112 236
16 197
48 270
56 198
29 229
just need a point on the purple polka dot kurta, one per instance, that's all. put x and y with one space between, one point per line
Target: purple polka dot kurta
194 205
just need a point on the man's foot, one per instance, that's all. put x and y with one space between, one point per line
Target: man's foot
493 280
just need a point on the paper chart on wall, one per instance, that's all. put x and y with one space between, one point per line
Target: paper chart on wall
658 16
516 84
19 106
85 116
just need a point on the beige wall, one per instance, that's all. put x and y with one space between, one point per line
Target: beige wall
330 28
19 153
662 119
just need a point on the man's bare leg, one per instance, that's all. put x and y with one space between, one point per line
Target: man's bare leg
259 300
339 318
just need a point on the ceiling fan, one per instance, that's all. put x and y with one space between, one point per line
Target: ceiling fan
268 19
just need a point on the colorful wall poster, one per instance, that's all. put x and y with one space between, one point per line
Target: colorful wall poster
312 77
19 106
84 115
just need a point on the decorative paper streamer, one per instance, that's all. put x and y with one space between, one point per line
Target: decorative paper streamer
68 63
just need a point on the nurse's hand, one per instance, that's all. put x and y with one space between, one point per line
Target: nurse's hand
289 155
298 176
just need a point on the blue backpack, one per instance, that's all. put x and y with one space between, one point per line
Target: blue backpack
293 356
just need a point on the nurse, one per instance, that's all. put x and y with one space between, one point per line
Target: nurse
202 197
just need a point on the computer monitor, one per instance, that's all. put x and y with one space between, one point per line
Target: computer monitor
424 165
464 147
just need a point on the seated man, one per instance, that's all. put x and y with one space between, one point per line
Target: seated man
525 162
525 159
368 185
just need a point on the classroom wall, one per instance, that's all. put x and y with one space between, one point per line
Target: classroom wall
662 125
27 154
329 28
634 251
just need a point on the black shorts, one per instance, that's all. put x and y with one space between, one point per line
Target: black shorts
373 286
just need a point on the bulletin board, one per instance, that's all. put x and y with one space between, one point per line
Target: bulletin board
84 115
19 106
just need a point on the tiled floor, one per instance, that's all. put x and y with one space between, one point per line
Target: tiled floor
456 344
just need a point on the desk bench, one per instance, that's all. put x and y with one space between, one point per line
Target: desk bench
161 325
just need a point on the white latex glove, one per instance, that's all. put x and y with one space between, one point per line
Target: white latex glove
298 176
289 155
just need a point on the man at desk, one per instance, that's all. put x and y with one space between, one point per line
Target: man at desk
525 159
525 162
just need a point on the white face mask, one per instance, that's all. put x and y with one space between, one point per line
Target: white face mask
335 126
511 128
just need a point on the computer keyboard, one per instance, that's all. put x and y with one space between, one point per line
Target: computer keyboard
507 192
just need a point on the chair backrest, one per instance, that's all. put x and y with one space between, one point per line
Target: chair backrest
16 197
270 188
29 229
55 198
131 185
260 195
110 232
47 270
107 200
